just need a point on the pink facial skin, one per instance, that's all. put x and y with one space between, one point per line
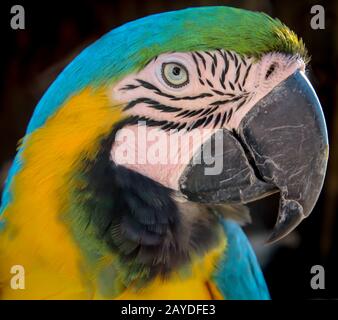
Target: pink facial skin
223 82
176 150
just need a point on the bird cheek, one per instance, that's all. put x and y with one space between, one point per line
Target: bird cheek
156 154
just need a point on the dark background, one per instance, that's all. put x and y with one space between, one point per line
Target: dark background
56 31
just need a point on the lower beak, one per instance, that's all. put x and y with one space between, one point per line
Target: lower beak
281 145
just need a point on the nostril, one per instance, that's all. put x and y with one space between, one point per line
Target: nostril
271 70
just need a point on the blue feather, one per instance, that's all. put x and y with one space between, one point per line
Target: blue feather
239 276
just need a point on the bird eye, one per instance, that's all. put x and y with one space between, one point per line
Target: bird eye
174 74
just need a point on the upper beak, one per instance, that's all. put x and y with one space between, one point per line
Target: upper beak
281 145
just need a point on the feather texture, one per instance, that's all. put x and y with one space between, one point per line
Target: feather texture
239 276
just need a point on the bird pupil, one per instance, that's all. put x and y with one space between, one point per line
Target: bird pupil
176 71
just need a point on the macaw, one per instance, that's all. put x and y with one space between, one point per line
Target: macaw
85 219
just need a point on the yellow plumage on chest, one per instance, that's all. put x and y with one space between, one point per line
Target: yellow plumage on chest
35 235
197 285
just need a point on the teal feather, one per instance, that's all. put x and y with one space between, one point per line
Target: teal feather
239 276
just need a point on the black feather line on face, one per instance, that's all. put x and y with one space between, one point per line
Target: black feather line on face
208 120
222 78
246 74
222 102
198 123
238 72
243 60
231 85
241 104
229 115
224 118
182 126
213 109
197 65
213 69
217 119
164 108
226 62
202 59
209 83
236 60
213 58
149 86
135 102
129 87
220 93
183 113
193 113
206 111
200 96
138 220
230 55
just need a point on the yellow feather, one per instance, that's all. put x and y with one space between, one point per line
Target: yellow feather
35 235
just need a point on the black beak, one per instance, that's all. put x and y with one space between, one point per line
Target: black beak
281 145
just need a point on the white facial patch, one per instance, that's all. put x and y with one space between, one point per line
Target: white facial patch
158 154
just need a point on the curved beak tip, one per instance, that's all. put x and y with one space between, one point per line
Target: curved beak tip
289 217
281 145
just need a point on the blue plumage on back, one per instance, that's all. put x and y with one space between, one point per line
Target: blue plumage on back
239 276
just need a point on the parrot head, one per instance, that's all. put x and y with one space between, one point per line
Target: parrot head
224 89
237 79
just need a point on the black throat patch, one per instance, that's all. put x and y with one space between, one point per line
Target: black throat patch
139 221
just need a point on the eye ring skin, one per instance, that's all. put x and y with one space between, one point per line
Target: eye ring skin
167 81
